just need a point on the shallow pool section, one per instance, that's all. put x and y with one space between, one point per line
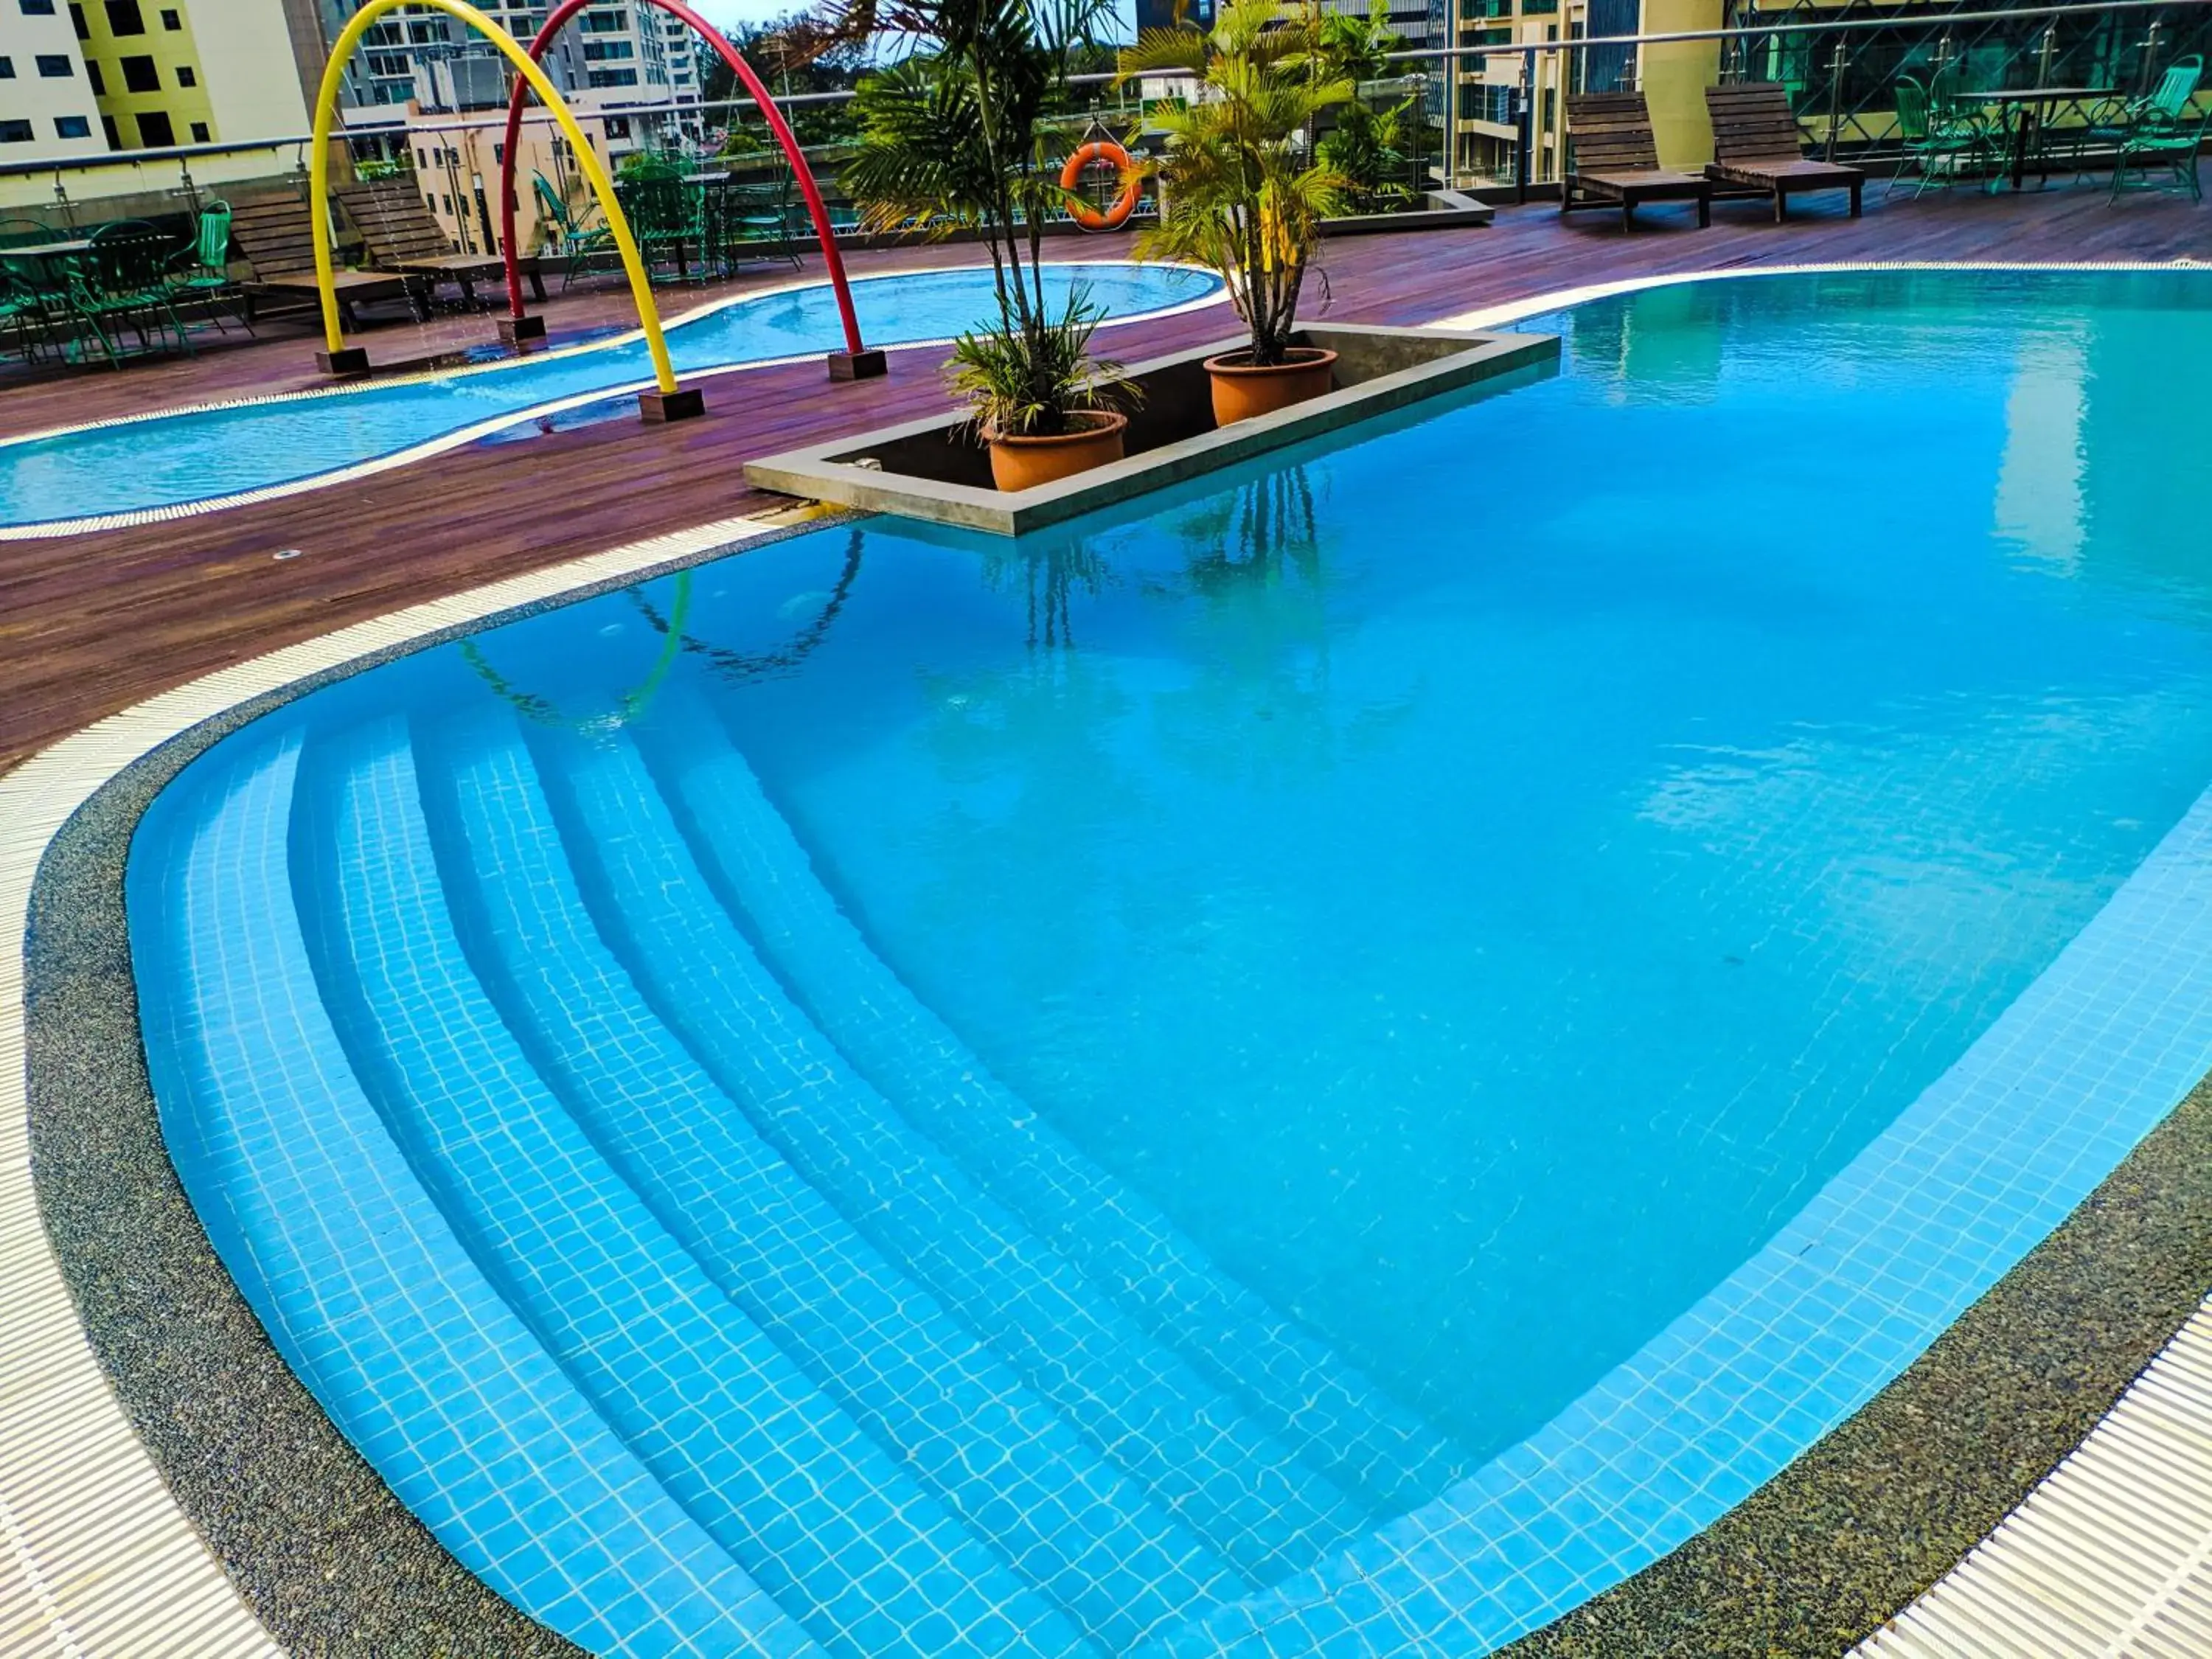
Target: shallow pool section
1331 1064
211 454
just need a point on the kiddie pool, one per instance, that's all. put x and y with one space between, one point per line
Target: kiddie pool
84 477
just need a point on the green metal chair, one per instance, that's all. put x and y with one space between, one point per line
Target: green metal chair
200 274
762 222
576 244
2172 145
120 284
1931 139
662 213
2152 127
34 292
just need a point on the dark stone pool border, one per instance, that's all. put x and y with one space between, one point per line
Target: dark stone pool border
333 1563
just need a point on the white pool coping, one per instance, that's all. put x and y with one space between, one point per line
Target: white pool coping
94 1550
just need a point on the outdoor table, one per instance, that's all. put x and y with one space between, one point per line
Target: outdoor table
2027 104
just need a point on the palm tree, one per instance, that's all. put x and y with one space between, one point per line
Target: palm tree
1238 190
957 135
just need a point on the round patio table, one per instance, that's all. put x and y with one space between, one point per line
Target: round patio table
2026 107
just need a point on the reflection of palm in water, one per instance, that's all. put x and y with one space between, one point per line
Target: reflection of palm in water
742 665
626 708
1261 704
1050 572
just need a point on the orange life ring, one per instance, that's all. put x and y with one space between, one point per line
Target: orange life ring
1112 217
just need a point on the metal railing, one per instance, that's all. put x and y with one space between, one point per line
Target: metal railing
1841 71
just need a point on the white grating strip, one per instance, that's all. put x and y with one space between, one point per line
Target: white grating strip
95 1557
2111 1557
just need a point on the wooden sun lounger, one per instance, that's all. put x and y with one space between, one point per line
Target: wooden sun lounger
272 232
401 235
1616 160
1756 145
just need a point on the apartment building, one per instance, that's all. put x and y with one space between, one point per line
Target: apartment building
47 105
457 172
89 76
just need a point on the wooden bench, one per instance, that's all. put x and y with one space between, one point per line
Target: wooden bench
1614 160
401 235
1756 145
273 232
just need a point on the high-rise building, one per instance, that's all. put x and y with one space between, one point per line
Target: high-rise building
47 104
94 76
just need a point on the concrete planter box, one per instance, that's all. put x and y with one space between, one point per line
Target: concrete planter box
1441 209
935 469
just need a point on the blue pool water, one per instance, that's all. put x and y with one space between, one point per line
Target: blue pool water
171 460
1355 1049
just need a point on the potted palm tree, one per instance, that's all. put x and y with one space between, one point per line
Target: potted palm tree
958 134
1240 187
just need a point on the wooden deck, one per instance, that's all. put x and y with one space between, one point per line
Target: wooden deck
90 624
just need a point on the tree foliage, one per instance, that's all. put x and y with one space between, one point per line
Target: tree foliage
961 134
1240 188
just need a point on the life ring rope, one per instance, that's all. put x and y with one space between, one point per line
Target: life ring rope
1116 213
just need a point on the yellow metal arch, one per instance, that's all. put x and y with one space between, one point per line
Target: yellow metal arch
326 103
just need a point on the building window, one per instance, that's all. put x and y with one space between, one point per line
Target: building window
108 128
614 77
187 76
423 161
199 132
15 133
7 68
53 66
448 201
140 74
76 19
498 153
123 17
597 52
154 131
172 22
72 126
93 76
38 7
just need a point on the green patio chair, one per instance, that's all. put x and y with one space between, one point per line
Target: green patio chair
200 274
2171 144
120 285
34 307
663 215
576 244
1937 142
763 219
2145 121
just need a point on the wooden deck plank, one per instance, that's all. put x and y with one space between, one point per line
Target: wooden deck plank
89 624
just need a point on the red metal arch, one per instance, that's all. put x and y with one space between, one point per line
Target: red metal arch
750 82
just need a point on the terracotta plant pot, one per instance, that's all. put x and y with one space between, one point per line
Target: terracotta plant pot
1240 390
1095 438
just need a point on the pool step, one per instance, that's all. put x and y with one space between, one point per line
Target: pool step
848 1542
1245 1494
587 985
1293 1382
354 1270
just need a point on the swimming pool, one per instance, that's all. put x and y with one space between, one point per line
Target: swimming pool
208 456
1329 1051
